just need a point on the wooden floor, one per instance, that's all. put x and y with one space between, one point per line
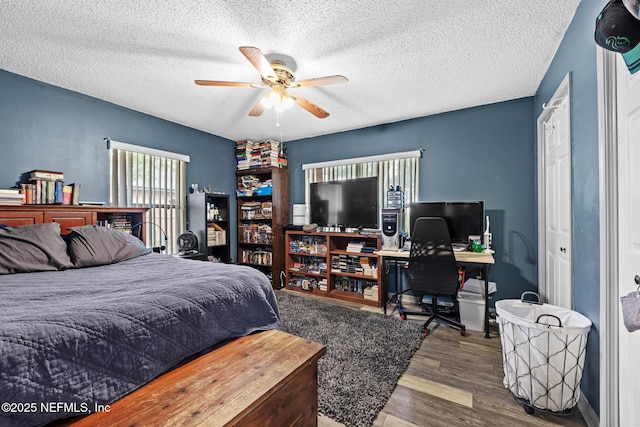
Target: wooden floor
454 381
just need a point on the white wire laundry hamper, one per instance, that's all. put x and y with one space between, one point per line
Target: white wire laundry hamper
543 352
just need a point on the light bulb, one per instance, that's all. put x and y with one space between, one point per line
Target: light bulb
271 99
278 107
287 101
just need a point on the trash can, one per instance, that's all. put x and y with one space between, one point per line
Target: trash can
543 351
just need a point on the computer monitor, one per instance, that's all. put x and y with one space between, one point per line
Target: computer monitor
463 218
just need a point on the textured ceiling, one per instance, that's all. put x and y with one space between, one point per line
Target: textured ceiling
403 59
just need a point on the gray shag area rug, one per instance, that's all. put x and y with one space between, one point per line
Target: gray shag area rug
366 354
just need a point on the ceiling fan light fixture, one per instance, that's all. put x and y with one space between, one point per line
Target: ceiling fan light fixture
269 100
285 103
280 100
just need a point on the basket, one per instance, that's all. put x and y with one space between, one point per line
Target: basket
543 352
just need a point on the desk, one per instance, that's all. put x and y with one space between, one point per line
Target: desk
485 259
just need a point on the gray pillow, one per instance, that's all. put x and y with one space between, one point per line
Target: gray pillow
36 247
90 245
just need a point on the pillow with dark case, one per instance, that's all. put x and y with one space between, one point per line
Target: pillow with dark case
28 248
90 246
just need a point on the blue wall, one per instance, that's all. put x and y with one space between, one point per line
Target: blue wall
484 153
577 54
46 127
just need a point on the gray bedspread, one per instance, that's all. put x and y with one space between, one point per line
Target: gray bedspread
74 339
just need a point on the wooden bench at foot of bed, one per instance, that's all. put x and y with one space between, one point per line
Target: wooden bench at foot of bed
268 378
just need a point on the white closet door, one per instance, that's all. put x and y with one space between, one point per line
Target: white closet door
629 236
555 216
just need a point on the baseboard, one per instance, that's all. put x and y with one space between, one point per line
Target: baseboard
589 415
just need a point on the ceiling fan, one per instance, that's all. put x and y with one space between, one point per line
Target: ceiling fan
277 76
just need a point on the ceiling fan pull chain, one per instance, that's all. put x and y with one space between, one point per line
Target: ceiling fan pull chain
277 118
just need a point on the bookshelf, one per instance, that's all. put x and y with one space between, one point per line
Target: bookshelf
208 217
263 211
335 265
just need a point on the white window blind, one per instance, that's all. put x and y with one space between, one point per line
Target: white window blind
394 169
155 179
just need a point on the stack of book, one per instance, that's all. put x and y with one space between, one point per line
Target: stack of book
368 268
121 222
371 293
11 197
216 236
354 246
268 153
47 188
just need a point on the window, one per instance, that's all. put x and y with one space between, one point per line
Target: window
395 169
155 179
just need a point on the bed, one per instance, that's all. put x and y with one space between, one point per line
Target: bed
93 329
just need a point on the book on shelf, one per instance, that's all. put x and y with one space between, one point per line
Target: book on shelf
216 227
12 191
120 222
46 174
48 192
67 191
11 197
75 193
267 153
51 192
354 246
57 192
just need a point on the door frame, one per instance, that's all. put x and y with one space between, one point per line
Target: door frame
608 178
563 90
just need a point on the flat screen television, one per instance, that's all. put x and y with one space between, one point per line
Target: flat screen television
463 218
351 203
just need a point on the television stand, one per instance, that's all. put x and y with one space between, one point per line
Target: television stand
337 265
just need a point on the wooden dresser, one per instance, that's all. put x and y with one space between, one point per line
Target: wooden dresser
67 216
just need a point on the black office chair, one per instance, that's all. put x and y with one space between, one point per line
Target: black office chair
432 269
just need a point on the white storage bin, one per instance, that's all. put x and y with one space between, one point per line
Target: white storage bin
471 311
477 286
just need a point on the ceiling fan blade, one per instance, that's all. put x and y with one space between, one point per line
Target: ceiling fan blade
255 56
222 83
328 80
309 106
258 109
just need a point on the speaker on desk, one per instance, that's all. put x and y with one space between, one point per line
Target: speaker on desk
391 224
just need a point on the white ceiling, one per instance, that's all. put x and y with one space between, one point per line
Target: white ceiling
403 59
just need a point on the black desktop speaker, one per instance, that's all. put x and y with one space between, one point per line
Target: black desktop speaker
391 224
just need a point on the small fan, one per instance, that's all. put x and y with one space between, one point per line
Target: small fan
187 243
